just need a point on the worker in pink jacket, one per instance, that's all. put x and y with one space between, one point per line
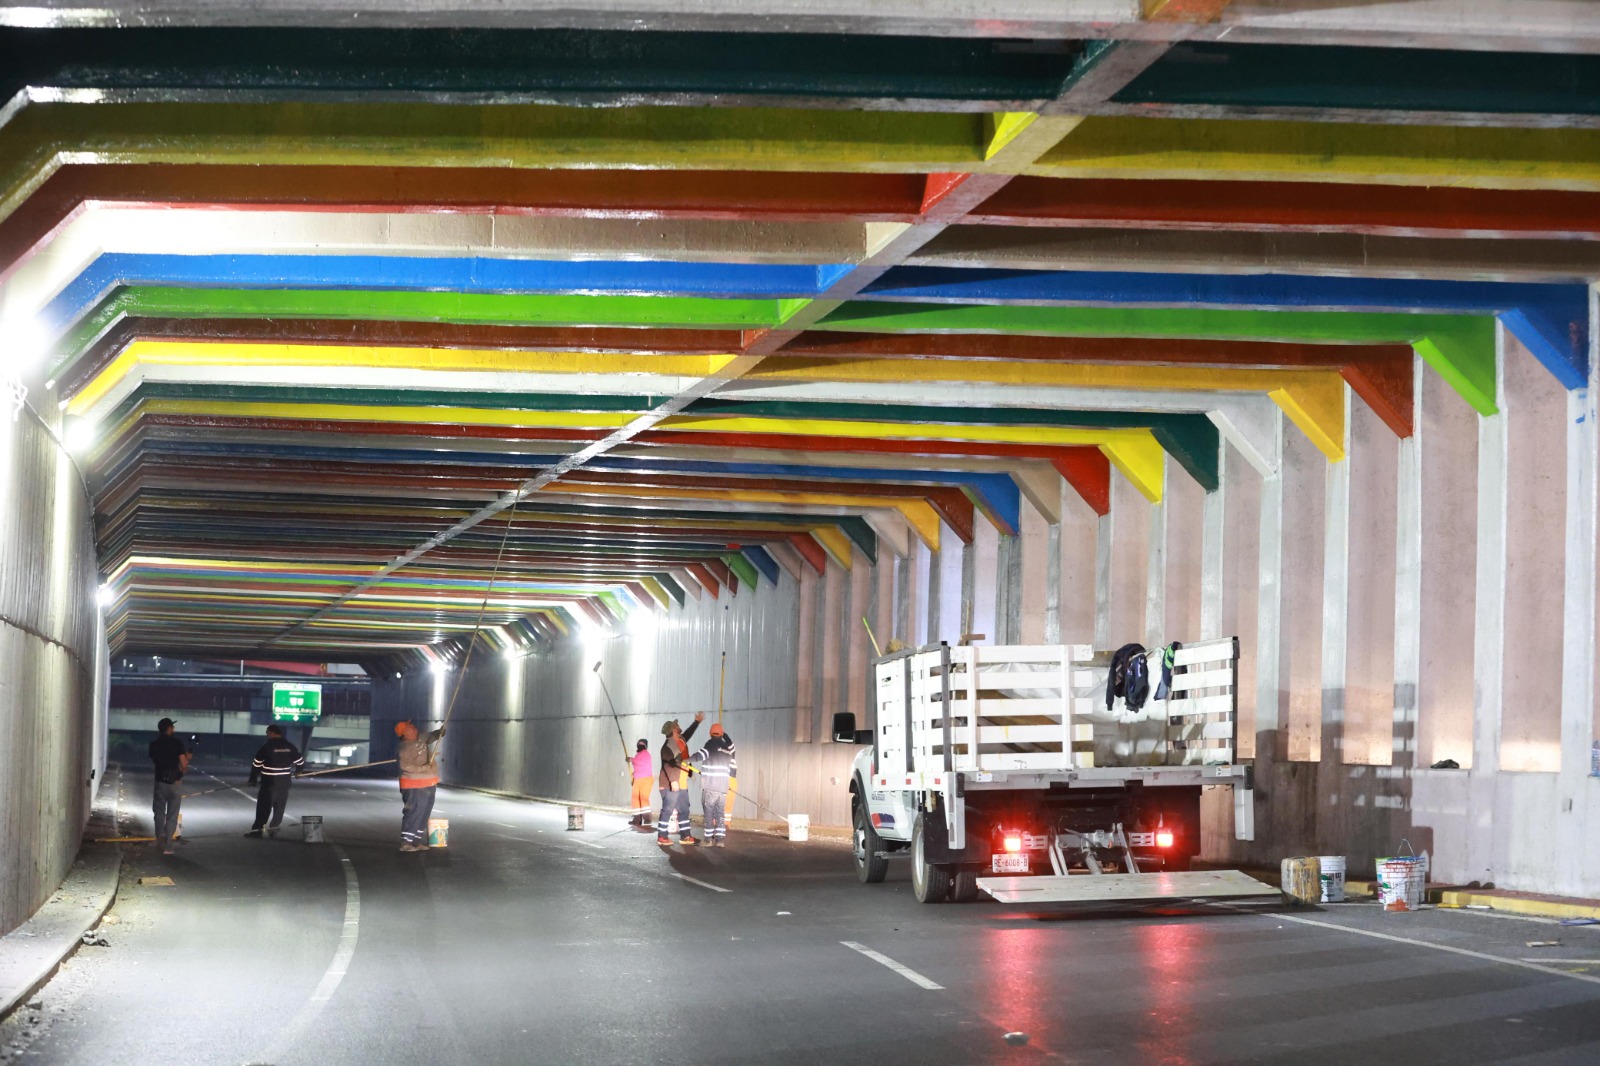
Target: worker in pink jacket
643 774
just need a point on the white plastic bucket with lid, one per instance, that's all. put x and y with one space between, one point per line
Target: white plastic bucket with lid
575 818
1332 872
438 832
311 825
799 827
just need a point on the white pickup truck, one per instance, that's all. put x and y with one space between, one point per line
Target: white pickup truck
1002 770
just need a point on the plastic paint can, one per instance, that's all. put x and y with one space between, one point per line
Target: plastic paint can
799 827
575 818
1401 880
1332 867
311 824
1301 880
438 832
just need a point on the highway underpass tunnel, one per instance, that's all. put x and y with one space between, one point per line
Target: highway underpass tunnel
548 376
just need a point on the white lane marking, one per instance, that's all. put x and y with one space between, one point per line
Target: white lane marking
337 968
588 844
508 825
1567 962
904 971
1485 956
697 881
232 788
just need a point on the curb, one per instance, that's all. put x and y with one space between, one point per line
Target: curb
1531 906
32 953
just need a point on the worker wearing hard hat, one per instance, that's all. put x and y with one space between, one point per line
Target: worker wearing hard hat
718 770
674 781
419 781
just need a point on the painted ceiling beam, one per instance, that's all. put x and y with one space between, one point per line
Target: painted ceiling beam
1460 347
1309 206
1552 320
1389 84
1472 259
1247 150
547 64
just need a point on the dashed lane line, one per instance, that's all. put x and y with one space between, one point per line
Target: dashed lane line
904 971
349 933
697 881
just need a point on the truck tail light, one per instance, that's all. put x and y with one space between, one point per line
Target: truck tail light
1013 841
1164 838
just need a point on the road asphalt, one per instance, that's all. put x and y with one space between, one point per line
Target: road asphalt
525 943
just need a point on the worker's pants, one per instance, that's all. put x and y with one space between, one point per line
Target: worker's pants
641 799
674 803
715 806
165 805
271 800
414 816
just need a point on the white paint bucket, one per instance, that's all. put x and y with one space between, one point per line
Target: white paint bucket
438 832
799 827
1332 872
311 824
1401 881
575 818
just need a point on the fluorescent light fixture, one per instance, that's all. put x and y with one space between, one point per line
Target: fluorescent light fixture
80 436
642 622
441 668
105 594
23 342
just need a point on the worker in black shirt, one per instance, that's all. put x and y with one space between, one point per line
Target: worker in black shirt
171 759
275 765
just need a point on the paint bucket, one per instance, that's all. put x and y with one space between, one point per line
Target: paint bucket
1301 880
311 825
1332 873
1401 880
799 827
438 832
575 818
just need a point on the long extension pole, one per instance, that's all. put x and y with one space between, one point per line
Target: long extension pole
722 686
614 718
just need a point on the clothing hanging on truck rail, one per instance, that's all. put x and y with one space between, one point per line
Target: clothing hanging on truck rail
1129 677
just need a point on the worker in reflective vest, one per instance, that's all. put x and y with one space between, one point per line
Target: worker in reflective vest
274 766
674 781
419 781
718 770
643 774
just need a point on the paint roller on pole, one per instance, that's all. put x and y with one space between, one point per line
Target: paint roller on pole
615 718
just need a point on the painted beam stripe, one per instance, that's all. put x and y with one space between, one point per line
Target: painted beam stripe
1459 347
1239 150
1552 320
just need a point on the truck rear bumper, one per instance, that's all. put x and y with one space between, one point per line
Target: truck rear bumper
1125 888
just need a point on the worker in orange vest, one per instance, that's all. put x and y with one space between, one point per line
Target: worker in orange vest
643 774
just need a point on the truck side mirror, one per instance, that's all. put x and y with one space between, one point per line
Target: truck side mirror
845 731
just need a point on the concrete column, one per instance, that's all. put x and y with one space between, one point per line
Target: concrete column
1330 744
934 594
1038 585
1155 575
1372 568
834 649
1105 530
1305 478
1447 494
1489 616
1213 553
1405 740
1186 507
905 600
1080 536
1241 581
1129 577
980 584
1535 550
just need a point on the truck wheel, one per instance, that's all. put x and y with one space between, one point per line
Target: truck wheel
929 883
964 886
870 863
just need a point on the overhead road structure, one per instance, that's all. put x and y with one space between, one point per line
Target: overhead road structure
652 314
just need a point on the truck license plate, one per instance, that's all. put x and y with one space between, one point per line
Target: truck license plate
1011 863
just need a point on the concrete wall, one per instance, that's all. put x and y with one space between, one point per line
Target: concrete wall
52 667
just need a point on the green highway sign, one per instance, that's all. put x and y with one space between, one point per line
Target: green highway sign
293 701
